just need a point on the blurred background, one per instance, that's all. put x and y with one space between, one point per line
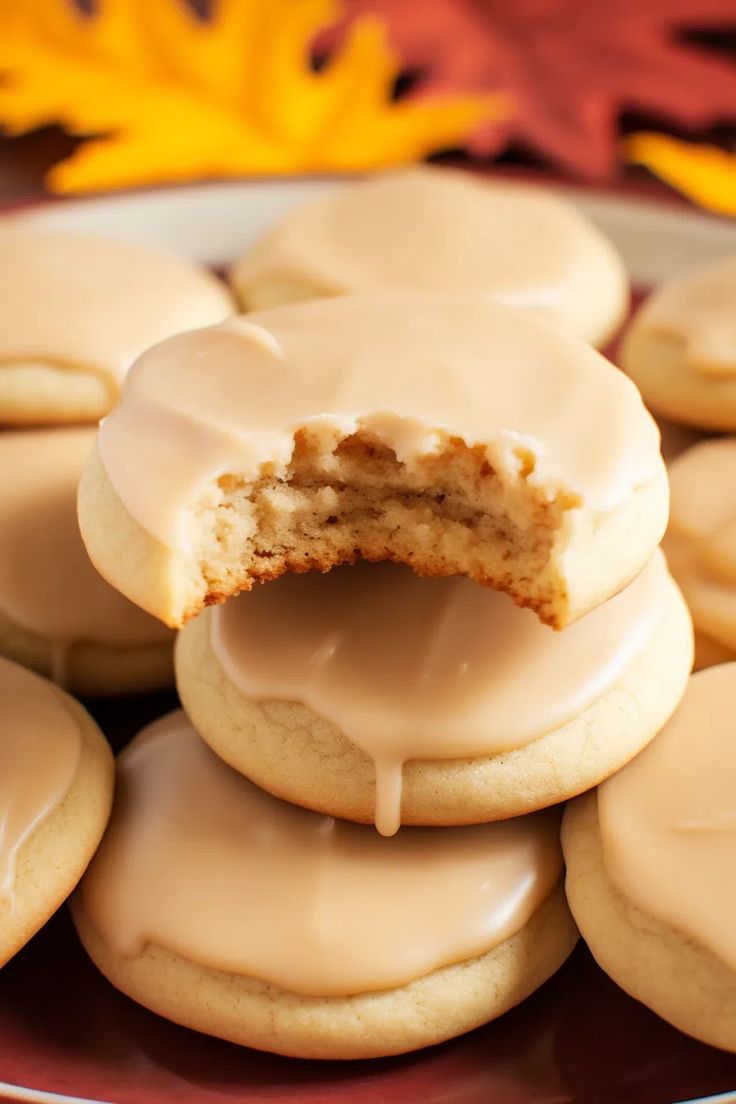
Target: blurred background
110 94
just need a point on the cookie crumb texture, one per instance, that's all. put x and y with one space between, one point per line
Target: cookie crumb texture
346 499
341 500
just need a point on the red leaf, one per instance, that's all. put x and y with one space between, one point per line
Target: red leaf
571 66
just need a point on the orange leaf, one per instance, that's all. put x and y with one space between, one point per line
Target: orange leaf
705 174
159 94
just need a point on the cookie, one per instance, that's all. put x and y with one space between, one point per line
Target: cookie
57 614
230 912
650 863
680 348
447 432
701 543
437 229
76 310
370 693
56 782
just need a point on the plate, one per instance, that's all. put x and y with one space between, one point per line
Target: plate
66 1035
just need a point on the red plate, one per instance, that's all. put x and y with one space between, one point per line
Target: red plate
64 1030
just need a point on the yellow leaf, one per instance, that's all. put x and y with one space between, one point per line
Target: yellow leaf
704 173
158 94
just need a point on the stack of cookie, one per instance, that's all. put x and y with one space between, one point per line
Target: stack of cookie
75 311
422 434
681 350
650 855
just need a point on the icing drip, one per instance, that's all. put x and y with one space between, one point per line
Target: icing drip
411 668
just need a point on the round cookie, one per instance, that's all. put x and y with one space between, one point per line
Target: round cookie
370 694
436 229
680 348
57 614
446 432
230 912
701 544
650 862
56 783
75 312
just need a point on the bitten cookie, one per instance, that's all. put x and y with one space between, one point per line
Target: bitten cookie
76 310
370 693
56 782
701 544
230 912
57 614
446 432
439 229
681 348
650 862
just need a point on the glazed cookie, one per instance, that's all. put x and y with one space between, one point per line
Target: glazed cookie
56 782
230 912
76 310
370 693
453 434
701 544
57 614
650 863
439 229
681 348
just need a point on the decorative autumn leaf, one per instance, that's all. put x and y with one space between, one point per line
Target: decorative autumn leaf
705 174
163 95
570 66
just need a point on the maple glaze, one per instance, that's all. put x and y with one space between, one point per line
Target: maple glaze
48 587
668 819
39 755
200 861
411 668
230 398
701 539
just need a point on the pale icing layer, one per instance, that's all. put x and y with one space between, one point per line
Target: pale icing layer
201 862
668 819
47 584
411 369
39 756
78 301
411 668
440 230
698 310
701 540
